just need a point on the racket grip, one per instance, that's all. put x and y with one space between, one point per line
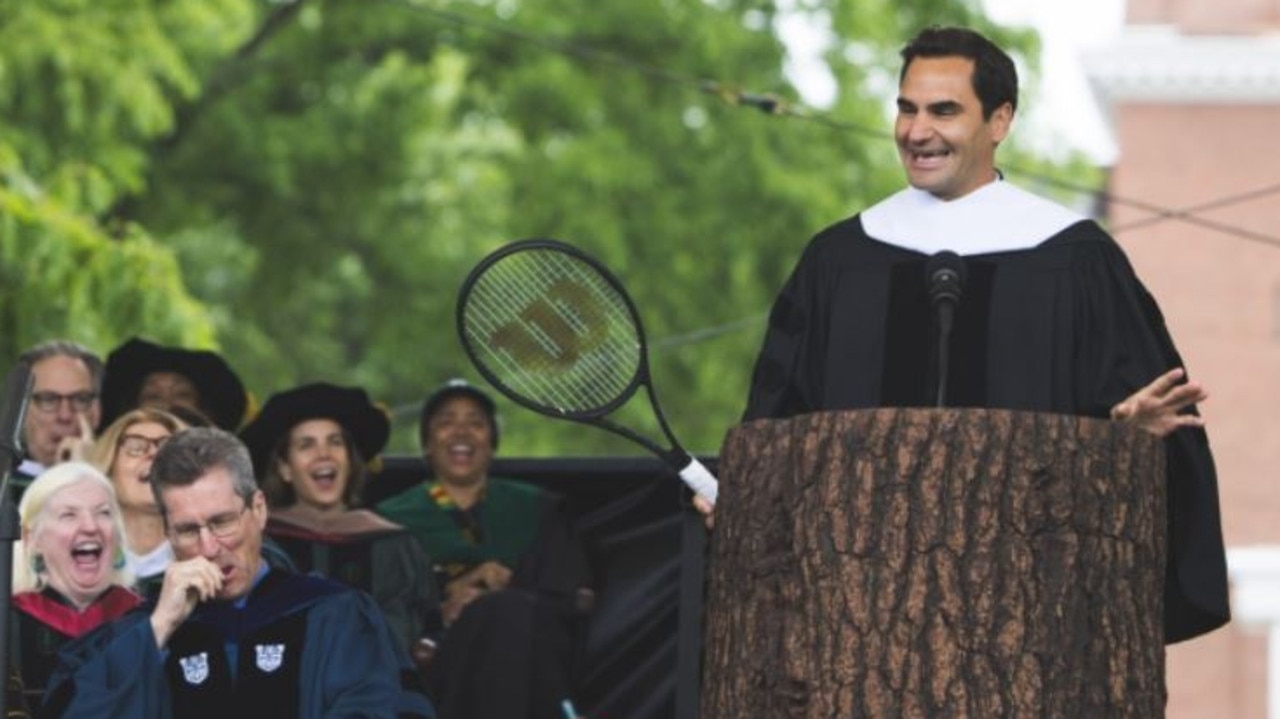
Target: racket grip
700 479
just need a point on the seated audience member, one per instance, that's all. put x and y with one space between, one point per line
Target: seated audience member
143 374
125 452
69 575
312 445
228 636
488 535
190 416
64 407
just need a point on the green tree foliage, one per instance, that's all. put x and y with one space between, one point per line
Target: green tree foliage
328 171
83 87
62 277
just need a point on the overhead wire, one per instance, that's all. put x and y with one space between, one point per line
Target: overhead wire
560 46
1187 215
773 104
776 105
1233 199
707 333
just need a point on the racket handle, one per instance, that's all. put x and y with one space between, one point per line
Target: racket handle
700 479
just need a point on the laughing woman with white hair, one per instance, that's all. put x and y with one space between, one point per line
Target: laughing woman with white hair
69 572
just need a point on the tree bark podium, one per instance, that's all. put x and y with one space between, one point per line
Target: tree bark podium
937 563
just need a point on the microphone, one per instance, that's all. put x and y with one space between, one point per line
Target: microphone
944 275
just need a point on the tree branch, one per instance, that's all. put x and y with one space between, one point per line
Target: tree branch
221 81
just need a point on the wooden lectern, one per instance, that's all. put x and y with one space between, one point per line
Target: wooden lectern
937 563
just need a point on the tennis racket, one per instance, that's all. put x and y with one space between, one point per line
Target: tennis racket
552 329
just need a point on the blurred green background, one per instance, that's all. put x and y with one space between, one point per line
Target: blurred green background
304 185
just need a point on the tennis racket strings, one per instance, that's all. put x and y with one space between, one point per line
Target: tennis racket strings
552 329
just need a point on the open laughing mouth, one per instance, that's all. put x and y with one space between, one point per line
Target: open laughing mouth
325 477
87 555
928 158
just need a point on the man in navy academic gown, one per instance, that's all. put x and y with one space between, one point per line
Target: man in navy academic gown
228 636
1052 317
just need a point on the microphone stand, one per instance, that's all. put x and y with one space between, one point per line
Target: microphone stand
946 315
944 276
17 390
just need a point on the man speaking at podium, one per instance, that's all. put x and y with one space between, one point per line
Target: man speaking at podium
1048 313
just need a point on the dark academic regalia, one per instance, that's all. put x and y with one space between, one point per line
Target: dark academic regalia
1063 327
17 708
150 585
506 520
510 654
301 646
389 564
22 477
42 622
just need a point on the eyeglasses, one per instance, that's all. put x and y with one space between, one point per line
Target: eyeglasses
222 526
137 445
49 401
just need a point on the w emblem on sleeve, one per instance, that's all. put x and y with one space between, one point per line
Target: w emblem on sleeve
270 656
195 668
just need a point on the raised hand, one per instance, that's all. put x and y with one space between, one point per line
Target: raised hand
1156 407
460 592
708 510
186 584
76 447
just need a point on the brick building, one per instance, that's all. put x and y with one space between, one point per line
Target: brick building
1192 91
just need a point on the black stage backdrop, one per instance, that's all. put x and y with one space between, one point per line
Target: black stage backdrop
641 650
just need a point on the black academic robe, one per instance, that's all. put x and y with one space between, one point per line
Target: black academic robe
389 564
1063 327
43 622
301 646
21 478
524 639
